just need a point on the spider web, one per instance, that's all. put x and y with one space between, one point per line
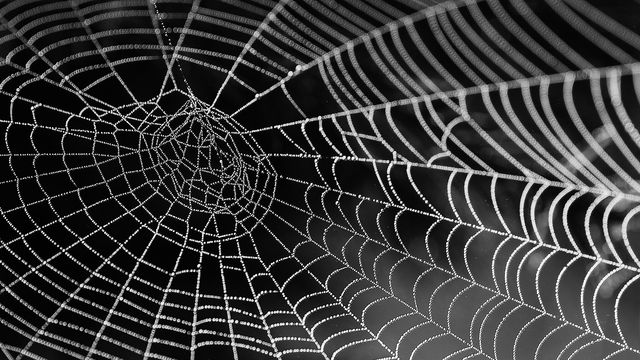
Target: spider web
336 180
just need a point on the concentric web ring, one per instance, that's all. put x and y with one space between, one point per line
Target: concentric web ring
358 179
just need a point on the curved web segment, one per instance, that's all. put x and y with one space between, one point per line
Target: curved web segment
333 180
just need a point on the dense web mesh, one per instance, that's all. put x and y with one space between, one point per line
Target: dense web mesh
357 179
